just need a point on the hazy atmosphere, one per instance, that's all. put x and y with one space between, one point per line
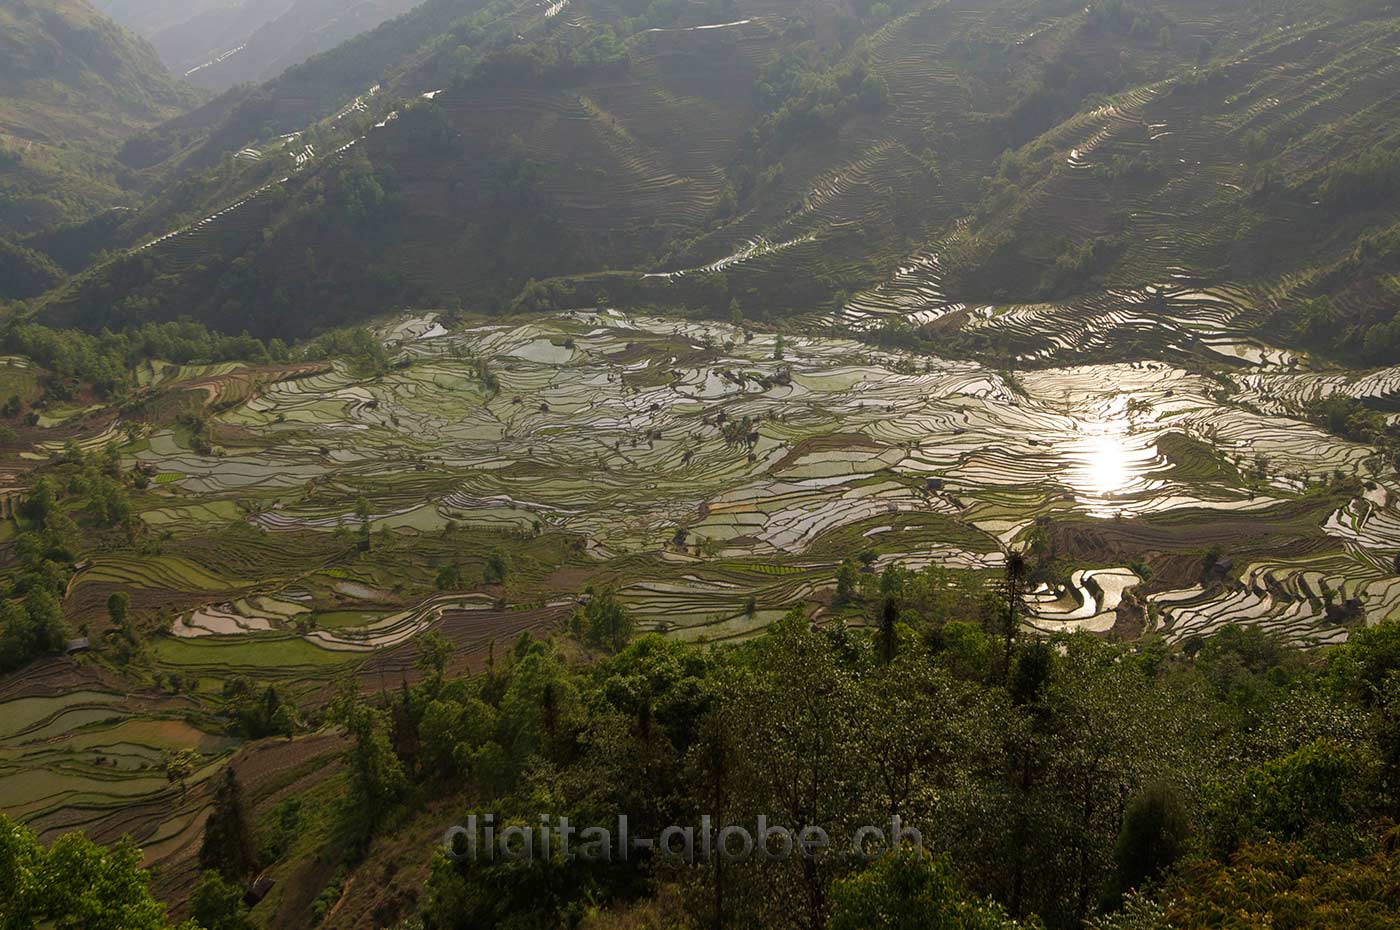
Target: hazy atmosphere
699 464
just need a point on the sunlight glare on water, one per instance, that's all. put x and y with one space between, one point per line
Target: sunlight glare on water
1108 462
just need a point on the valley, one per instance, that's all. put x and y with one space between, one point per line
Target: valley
716 476
979 413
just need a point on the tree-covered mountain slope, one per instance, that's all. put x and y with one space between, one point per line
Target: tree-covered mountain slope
218 154
150 17
73 85
307 28
65 54
1026 173
160 160
187 35
331 84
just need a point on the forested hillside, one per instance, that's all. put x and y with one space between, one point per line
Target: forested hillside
148 17
975 414
326 93
1032 157
63 54
73 85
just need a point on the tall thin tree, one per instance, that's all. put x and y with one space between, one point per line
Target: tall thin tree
228 844
1016 573
889 616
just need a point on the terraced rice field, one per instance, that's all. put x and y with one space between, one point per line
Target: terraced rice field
694 466
79 753
714 476
327 518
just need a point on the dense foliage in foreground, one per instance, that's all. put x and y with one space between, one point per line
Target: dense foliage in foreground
1235 776
1233 781
74 884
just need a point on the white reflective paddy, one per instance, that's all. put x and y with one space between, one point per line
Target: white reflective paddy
626 428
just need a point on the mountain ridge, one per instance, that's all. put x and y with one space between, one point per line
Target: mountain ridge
73 86
733 154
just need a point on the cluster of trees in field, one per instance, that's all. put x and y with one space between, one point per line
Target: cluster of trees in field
567 56
356 344
1066 782
1368 180
92 489
1351 419
803 98
1323 325
1128 19
105 361
1054 781
258 712
805 94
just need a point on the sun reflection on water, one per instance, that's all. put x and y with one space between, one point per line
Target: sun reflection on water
1107 463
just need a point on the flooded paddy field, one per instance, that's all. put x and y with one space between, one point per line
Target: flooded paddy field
694 465
326 516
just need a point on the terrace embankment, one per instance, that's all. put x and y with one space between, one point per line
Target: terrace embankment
714 475
664 454
1174 545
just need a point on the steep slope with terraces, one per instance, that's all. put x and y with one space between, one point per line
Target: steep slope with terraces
654 370
1027 178
331 85
1263 174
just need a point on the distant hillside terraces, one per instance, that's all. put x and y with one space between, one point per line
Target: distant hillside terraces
992 178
